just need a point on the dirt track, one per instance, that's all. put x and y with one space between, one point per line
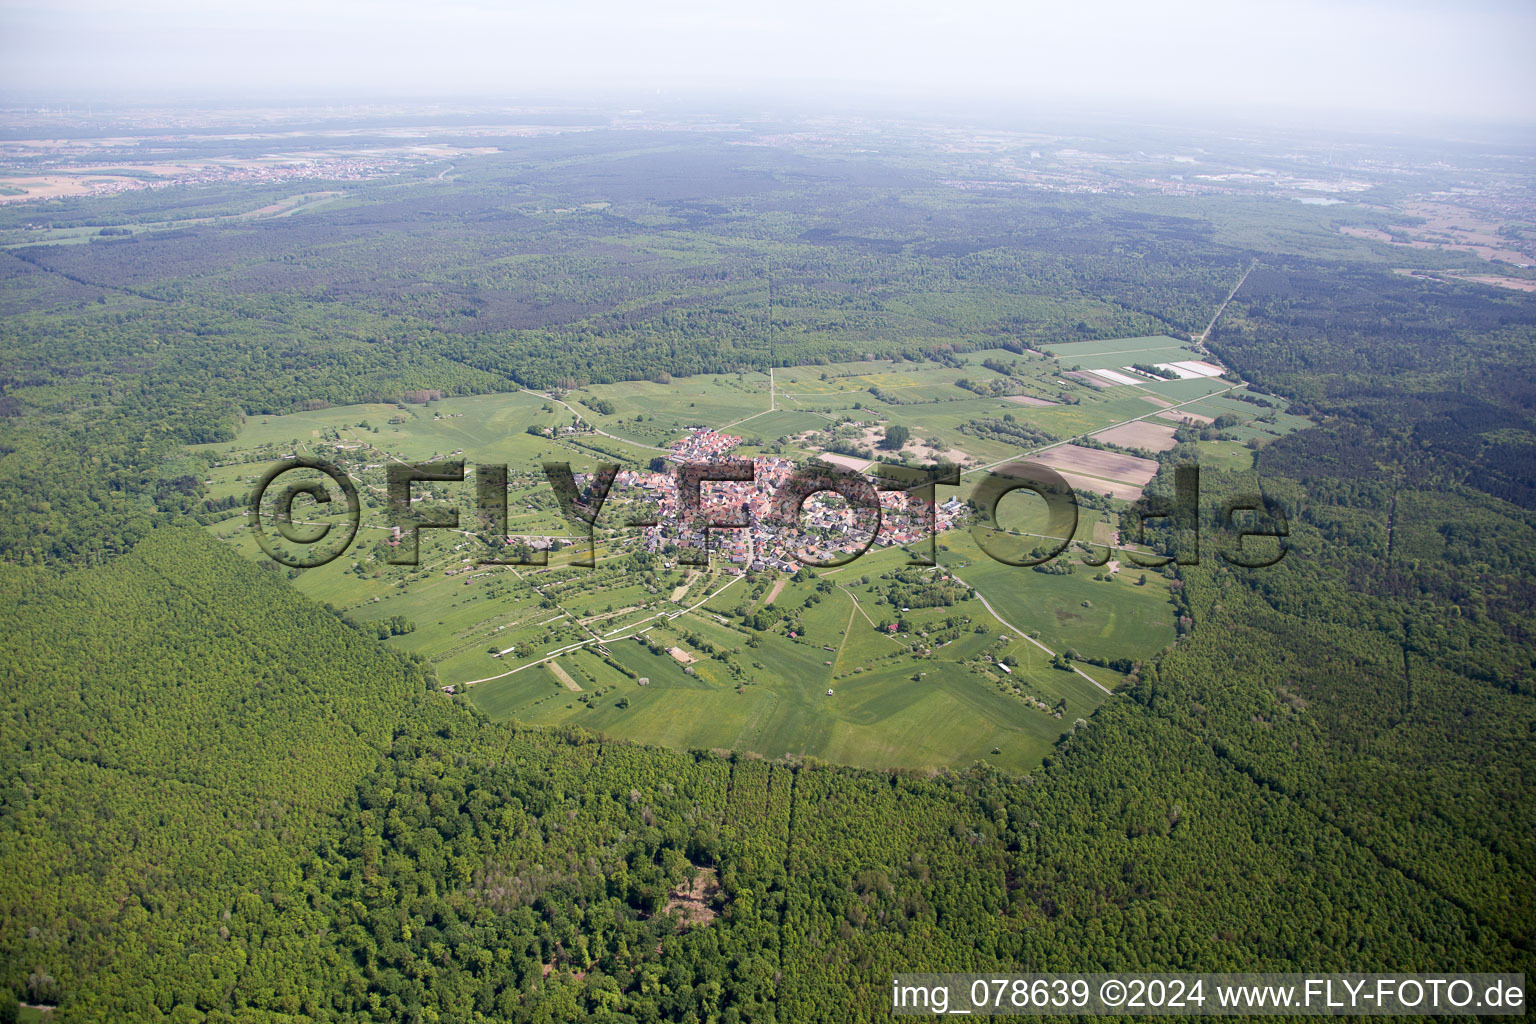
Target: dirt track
564 677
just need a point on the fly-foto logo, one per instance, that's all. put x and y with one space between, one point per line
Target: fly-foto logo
772 508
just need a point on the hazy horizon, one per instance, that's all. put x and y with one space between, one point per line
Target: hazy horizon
1367 57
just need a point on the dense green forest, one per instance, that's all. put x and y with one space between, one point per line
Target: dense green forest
224 803
246 828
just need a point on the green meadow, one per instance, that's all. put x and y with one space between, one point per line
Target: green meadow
892 704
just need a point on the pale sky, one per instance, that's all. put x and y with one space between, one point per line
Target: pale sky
1471 59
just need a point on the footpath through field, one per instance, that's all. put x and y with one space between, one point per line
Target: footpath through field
988 606
595 428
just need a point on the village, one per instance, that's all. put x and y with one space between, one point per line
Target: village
830 529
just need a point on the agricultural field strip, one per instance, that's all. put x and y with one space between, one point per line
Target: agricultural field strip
1095 430
848 391
775 590
605 637
1146 435
1124 351
847 631
564 677
1115 376
1103 465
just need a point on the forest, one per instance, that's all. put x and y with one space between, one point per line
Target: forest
225 803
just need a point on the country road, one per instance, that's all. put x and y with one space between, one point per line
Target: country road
1222 308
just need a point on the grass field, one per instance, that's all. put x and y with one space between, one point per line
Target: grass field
1114 352
890 705
1225 455
779 423
1122 619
